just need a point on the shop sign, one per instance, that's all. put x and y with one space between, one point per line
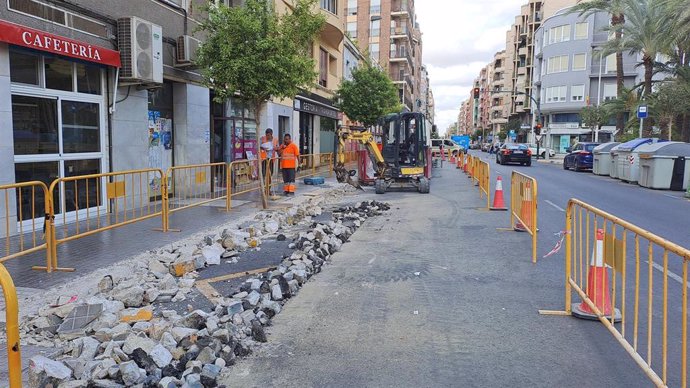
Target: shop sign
43 41
319 110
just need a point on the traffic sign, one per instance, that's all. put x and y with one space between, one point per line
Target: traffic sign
538 137
642 112
525 126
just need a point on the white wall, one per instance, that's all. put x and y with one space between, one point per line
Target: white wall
6 145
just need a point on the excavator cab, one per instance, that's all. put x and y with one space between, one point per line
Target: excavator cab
404 152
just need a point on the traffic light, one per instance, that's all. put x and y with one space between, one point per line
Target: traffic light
537 129
476 93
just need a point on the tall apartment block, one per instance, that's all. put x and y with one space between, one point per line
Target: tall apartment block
389 32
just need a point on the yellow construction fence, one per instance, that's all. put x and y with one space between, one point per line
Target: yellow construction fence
523 206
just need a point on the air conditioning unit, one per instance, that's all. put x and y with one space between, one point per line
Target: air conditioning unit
141 50
187 47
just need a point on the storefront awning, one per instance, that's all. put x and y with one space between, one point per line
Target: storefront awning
39 40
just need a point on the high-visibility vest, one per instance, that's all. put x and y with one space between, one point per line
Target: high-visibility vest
289 156
263 152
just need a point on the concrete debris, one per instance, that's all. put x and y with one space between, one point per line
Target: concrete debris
135 339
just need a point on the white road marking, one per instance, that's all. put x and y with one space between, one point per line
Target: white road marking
671 196
671 274
554 205
372 260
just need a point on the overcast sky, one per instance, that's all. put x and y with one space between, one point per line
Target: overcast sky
460 37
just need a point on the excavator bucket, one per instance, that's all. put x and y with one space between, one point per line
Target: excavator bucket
345 176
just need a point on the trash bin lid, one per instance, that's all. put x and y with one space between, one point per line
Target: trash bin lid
634 143
605 147
664 149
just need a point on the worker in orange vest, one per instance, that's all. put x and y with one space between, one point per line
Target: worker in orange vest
268 149
289 160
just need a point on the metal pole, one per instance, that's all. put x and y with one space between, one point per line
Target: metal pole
641 125
601 62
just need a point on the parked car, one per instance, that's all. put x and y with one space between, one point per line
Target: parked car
579 157
487 146
542 151
474 146
514 153
449 147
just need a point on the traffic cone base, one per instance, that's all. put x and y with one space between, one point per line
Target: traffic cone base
579 312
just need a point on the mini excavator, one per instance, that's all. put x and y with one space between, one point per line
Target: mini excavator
404 157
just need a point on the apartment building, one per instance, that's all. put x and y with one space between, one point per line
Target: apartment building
498 110
87 87
389 32
465 117
520 54
570 74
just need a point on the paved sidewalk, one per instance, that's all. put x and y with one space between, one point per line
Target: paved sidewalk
432 295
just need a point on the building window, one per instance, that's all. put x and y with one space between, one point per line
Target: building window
556 94
558 64
53 14
375 7
323 67
566 118
375 28
579 62
374 51
352 7
352 29
577 93
330 6
581 30
610 92
611 63
24 68
559 34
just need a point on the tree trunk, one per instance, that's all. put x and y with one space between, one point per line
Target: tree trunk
648 63
257 120
620 116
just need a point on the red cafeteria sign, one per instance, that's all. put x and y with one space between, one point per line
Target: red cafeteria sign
39 40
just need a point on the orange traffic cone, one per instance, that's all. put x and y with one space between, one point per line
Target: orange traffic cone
525 210
461 157
597 286
499 203
452 158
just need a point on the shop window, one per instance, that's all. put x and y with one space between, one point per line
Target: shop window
58 73
83 193
323 67
24 68
80 127
45 172
34 122
88 79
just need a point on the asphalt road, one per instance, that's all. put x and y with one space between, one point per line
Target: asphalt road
664 213
433 295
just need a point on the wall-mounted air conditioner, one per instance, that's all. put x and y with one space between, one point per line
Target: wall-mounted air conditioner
141 50
187 47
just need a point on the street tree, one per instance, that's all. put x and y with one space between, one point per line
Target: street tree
615 8
595 117
646 32
368 96
257 52
670 102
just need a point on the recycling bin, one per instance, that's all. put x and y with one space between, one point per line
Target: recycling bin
613 169
628 161
665 166
602 158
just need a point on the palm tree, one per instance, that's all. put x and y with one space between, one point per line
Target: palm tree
646 32
615 8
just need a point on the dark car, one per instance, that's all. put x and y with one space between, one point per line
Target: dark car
579 157
514 153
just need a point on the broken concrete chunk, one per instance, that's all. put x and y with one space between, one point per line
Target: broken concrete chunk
130 296
136 315
79 318
161 356
43 370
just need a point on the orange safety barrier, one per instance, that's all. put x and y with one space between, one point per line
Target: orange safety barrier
523 207
24 210
642 300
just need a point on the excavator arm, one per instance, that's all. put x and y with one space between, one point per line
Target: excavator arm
365 138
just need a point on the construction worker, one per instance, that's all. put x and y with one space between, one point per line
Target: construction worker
268 149
289 160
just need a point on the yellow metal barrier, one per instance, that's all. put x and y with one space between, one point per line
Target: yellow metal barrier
523 206
14 359
483 177
195 185
655 332
93 203
314 164
23 206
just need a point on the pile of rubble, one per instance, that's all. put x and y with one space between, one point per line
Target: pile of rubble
124 336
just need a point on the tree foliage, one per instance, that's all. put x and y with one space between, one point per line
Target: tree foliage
369 95
257 52
595 117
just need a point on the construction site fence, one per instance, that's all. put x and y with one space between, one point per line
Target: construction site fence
648 289
14 359
89 204
523 206
483 177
